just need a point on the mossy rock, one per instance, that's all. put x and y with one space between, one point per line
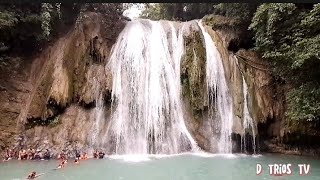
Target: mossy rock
193 71
218 22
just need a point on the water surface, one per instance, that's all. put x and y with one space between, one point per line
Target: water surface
162 167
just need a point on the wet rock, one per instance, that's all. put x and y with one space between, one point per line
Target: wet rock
48 88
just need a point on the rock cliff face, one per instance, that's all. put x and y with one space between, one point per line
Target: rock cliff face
51 100
266 102
54 107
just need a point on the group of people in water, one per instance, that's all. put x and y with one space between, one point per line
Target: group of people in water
31 154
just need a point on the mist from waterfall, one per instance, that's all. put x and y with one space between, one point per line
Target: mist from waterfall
220 100
147 115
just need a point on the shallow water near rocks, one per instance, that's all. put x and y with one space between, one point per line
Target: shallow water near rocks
163 167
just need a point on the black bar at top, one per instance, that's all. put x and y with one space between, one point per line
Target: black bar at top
157 1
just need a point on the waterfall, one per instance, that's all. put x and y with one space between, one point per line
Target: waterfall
247 119
177 44
220 100
147 116
98 115
247 123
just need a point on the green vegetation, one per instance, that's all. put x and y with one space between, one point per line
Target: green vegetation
226 16
26 28
189 11
287 35
303 103
50 122
176 11
193 72
56 121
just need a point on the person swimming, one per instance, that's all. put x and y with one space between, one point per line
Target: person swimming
76 161
32 175
62 164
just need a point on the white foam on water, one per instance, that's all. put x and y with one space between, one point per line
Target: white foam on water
131 158
257 155
209 155
143 157
150 157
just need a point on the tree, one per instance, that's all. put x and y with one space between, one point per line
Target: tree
289 37
176 11
25 28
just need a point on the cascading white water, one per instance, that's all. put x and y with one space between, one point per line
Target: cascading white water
220 100
147 116
98 115
247 119
247 123
177 44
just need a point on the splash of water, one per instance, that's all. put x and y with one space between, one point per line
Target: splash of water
147 116
220 100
